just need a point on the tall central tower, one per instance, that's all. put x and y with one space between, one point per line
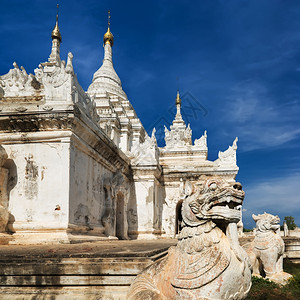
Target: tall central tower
117 116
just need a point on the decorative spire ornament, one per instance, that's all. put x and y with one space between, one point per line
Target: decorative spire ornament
178 117
108 36
178 99
55 32
56 40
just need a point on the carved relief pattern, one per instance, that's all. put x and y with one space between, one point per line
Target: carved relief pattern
178 136
228 157
201 143
52 81
17 83
146 153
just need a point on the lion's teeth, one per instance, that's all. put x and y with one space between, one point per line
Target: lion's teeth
238 207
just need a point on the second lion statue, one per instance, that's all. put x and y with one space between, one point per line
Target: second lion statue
208 262
266 251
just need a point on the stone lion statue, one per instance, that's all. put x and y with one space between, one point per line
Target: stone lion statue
208 262
267 248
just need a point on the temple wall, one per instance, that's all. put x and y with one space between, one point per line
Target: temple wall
38 181
57 178
158 205
145 192
87 198
132 217
169 208
144 207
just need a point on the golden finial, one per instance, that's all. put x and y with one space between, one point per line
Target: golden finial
108 36
55 32
178 100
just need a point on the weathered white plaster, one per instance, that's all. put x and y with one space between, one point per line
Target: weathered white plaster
86 190
33 172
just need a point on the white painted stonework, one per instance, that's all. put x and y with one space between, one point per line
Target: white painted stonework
81 163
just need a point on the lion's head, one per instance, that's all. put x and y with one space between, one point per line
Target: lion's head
213 198
266 222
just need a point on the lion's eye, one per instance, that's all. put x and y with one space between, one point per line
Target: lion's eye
213 186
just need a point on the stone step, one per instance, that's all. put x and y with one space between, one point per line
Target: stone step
88 271
66 280
64 293
74 271
75 267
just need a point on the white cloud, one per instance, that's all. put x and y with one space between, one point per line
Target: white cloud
279 196
260 122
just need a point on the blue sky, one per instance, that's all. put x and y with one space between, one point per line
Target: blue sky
236 62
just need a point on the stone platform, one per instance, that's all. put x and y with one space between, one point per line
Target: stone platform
292 248
98 270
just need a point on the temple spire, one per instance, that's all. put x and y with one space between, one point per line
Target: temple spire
179 135
106 79
56 40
